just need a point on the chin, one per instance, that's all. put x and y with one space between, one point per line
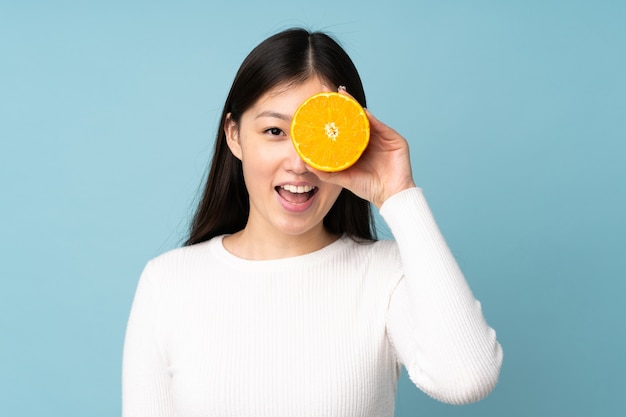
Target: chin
291 229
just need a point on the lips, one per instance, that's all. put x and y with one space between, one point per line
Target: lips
296 194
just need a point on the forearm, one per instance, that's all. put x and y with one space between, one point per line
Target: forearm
435 323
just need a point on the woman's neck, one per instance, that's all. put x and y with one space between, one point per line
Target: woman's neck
247 244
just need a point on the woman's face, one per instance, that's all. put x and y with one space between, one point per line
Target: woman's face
284 196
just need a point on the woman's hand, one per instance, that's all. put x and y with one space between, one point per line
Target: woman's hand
383 170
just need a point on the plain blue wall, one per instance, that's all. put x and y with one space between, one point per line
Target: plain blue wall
515 112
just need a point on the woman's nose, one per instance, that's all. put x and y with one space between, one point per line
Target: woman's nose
293 162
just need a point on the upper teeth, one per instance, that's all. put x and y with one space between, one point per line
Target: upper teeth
297 188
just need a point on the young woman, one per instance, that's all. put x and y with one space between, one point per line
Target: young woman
282 303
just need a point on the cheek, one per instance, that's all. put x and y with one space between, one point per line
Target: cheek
332 193
256 162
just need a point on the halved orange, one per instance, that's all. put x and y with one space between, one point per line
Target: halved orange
330 131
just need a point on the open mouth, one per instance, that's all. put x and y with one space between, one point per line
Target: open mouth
296 194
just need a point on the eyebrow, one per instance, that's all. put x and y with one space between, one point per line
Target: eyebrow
269 113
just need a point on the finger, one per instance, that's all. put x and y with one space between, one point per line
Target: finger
380 129
376 124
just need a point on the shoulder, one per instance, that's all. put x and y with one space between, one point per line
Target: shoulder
379 252
183 254
383 247
181 262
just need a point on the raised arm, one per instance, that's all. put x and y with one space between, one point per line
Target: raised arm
434 322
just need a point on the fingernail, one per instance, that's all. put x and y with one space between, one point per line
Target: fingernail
342 88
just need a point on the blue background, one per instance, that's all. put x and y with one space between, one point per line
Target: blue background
515 112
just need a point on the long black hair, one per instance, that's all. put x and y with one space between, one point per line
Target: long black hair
291 56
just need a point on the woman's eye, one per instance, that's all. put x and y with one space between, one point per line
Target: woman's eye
274 131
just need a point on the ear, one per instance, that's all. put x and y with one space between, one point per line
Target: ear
232 136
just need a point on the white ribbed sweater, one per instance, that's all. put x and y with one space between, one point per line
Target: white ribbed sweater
323 334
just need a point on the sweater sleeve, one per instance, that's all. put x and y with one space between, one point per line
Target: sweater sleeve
146 382
434 322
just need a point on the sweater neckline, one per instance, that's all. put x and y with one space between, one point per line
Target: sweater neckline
216 247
